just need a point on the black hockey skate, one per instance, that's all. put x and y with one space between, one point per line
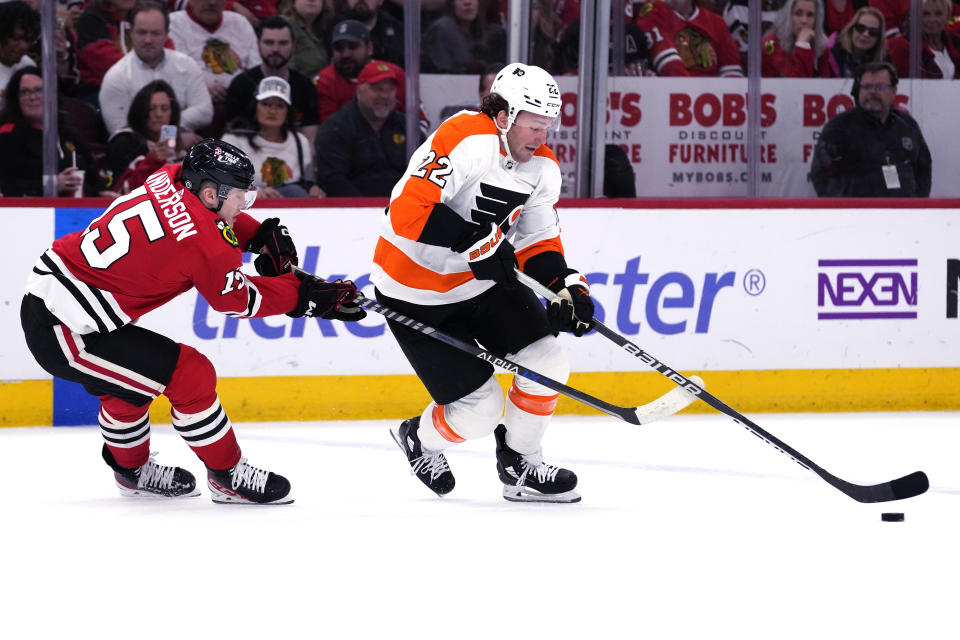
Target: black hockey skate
152 480
527 478
430 467
246 484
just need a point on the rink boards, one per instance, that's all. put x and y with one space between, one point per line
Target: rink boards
778 305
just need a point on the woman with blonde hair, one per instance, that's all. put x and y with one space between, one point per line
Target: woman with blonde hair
796 41
940 55
862 40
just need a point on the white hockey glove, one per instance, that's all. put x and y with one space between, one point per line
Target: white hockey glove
571 310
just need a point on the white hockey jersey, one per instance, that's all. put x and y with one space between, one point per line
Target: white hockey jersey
459 178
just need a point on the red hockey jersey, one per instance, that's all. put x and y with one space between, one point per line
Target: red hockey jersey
703 41
148 247
779 63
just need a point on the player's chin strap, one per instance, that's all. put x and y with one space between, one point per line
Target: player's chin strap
503 142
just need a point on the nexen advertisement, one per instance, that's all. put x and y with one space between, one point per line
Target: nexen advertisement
700 290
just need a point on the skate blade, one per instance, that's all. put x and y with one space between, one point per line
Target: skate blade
139 493
523 494
220 497
231 500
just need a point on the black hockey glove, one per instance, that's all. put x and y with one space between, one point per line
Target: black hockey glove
571 310
275 246
490 255
330 300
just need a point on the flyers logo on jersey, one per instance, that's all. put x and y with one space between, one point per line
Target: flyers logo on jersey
227 233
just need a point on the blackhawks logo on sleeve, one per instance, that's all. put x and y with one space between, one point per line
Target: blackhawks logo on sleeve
769 47
227 233
275 172
219 57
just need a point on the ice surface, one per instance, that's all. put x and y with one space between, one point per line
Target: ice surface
689 528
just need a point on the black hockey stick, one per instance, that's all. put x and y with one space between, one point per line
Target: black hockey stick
666 405
906 487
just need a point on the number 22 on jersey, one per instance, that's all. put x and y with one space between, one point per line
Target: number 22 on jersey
436 174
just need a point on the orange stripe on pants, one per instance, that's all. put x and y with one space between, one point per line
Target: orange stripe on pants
537 405
440 424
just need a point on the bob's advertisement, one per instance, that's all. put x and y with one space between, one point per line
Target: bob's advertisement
688 136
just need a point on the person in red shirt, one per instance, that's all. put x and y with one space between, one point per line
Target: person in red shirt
102 39
352 51
838 13
701 38
183 228
796 42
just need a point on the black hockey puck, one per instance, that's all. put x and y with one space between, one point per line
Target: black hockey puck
892 517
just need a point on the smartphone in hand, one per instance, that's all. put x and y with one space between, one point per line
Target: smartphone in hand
169 132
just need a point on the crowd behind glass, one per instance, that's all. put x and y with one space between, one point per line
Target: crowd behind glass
313 90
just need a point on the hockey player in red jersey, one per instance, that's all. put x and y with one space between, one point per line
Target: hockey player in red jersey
700 37
477 200
183 228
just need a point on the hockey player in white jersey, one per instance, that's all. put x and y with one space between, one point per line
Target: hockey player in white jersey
477 200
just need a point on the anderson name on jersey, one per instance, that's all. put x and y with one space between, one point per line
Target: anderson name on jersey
155 243
459 178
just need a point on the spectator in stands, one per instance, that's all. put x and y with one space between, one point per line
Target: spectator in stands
21 145
281 157
139 148
102 39
337 83
895 15
310 20
19 29
222 42
386 32
859 42
275 39
700 37
545 28
486 81
638 58
71 10
940 56
362 149
737 16
838 13
873 150
65 45
255 11
148 61
461 41
797 41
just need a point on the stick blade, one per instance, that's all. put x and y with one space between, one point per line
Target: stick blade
668 404
910 485
900 489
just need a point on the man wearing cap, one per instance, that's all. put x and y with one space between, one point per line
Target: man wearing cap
275 40
149 61
361 149
337 82
386 32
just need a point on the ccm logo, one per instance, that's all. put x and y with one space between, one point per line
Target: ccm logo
486 246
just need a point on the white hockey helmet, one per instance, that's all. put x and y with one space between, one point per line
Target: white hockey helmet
528 88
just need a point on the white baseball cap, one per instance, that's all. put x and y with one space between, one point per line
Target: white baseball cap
274 87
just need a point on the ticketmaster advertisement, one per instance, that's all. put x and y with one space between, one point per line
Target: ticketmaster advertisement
702 290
